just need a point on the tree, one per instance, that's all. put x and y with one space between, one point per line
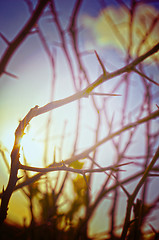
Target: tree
121 134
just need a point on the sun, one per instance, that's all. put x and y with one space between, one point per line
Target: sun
31 149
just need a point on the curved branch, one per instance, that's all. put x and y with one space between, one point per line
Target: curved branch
22 35
50 106
85 153
134 194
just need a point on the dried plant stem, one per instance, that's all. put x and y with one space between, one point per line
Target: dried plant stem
134 194
21 36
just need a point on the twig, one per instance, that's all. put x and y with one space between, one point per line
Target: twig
89 150
21 36
63 167
143 75
134 194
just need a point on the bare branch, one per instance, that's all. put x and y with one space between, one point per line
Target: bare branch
134 194
143 75
21 36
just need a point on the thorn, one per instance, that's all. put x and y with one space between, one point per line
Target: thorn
1 194
145 76
153 229
101 63
157 106
11 75
54 156
86 181
104 94
19 178
4 39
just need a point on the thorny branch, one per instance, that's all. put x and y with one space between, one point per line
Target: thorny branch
133 66
21 36
133 195
50 106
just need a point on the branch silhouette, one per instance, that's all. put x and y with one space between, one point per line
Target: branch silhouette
12 46
123 125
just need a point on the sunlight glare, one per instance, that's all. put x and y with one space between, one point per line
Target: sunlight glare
31 149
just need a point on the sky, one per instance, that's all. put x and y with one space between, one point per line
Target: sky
34 74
